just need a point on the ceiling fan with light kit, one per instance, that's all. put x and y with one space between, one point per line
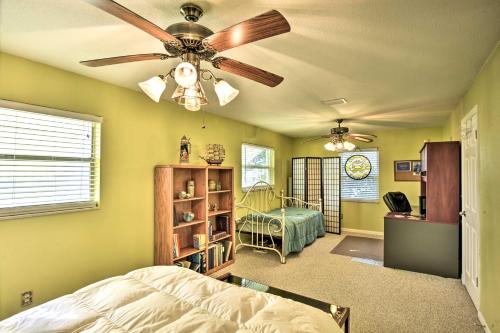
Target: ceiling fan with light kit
194 43
339 138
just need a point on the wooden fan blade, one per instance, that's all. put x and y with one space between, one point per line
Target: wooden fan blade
136 20
360 138
364 135
266 25
124 59
317 138
247 71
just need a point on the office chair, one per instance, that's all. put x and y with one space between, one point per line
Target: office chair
397 202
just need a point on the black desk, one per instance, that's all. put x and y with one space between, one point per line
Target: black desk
341 315
415 244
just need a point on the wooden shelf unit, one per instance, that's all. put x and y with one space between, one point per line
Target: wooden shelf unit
172 179
440 181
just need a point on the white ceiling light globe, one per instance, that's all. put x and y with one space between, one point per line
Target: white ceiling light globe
153 87
185 74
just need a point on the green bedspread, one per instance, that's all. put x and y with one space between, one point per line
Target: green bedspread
302 227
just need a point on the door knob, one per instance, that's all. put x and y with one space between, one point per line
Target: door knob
463 213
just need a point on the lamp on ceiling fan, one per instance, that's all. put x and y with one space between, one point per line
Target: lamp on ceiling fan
194 43
339 138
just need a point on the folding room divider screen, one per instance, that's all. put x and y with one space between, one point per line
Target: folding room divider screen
314 178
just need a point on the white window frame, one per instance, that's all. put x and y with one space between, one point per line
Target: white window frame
65 207
245 167
344 177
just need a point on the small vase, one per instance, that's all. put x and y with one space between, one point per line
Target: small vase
212 185
190 188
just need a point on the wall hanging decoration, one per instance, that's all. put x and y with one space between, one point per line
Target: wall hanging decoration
214 154
358 167
185 149
407 170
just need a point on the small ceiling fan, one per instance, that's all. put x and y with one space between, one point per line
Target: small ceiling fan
339 136
193 42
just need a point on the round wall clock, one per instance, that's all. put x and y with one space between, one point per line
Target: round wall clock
358 167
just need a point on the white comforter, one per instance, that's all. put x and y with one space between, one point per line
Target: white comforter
169 299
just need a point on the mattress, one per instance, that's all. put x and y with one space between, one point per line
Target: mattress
169 299
302 226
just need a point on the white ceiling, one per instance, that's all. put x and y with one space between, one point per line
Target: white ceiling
399 63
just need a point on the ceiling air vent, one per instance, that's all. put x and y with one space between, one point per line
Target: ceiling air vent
335 101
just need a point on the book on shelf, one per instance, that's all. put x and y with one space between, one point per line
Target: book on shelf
222 223
210 230
195 262
218 235
227 249
199 241
177 245
219 253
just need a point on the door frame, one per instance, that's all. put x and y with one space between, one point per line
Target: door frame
469 115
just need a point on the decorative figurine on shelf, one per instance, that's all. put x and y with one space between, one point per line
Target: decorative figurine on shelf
190 188
185 149
182 195
214 154
212 185
213 206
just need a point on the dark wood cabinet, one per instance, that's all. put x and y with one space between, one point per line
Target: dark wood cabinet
440 181
431 243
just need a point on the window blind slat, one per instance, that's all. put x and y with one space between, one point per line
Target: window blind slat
48 163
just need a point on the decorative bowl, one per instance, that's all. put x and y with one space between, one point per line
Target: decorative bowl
188 216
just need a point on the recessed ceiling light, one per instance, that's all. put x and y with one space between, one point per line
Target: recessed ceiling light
335 101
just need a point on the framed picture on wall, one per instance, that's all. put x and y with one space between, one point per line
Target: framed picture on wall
402 166
416 167
407 170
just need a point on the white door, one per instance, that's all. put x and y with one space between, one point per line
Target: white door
470 205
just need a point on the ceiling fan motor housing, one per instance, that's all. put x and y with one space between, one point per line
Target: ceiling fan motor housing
189 33
339 130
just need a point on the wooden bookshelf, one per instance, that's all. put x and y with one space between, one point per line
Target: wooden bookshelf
172 179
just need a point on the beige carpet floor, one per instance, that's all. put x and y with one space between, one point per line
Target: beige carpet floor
381 299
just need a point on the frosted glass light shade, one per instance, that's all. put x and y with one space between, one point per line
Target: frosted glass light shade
330 146
349 146
340 146
153 87
192 97
192 104
225 92
185 74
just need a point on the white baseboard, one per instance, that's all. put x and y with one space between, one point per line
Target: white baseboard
377 234
483 322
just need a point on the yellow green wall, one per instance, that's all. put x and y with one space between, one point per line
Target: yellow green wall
57 254
399 144
485 93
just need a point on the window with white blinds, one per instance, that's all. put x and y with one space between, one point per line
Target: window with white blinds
257 164
49 160
364 190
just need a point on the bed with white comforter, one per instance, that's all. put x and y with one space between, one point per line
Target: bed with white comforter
169 299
